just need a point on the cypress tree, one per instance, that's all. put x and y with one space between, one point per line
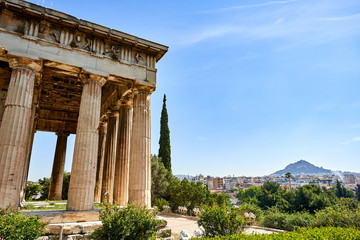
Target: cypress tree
164 141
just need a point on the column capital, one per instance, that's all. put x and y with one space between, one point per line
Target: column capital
113 113
127 98
62 134
143 90
21 62
92 77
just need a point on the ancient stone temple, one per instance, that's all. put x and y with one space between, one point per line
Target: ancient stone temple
68 76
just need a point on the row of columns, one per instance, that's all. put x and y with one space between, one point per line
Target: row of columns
112 156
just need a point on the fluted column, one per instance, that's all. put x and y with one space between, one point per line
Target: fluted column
121 182
57 174
100 160
140 156
109 160
3 95
83 171
15 128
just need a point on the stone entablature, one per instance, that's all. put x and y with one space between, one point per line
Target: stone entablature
47 28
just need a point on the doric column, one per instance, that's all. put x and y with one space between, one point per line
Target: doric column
109 160
140 156
15 128
83 171
3 95
100 159
121 182
57 174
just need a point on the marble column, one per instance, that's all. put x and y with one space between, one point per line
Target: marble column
100 160
57 174
83 171
3 95
121 181
15 128
109 160
140 156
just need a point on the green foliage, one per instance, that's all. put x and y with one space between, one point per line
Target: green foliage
357 192
344 214
126 223
164 141
45 185
220 221
31 190
249 207
161 179
301 233
306 198
286 221
14 225
341 192
190 195
65 188
159 203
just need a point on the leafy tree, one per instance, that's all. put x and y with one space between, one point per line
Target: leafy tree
45 185
289 176
31 190
340 191
357 192
161 179
271 194
65 186
164 141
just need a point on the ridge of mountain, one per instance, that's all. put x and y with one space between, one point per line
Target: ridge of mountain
302 167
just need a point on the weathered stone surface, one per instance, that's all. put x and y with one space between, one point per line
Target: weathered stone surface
121 185
109 159
57 174
15 125
140 152
82 181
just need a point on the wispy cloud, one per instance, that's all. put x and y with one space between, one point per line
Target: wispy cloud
355 139
221 10
304 30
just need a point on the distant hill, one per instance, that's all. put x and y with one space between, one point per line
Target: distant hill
302 167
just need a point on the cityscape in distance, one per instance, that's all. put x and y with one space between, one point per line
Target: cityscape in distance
303 173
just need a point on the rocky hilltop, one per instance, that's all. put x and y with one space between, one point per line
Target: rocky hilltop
302 167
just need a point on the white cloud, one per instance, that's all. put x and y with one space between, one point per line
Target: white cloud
248 6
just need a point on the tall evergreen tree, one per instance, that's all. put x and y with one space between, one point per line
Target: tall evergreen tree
164 141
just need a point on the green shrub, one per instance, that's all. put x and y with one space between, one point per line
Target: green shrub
337 216
301 233
286 221
14 225
159 203
126 223
221 221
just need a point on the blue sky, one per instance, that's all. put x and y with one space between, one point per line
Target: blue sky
252 85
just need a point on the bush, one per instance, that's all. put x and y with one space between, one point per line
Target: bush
301 233
286 221
160 203
337 216
14 225
126 223
221 221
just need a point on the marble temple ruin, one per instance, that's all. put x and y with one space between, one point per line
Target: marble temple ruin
69 76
